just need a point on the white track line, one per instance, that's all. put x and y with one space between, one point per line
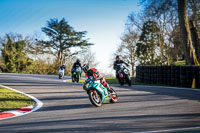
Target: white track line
39 104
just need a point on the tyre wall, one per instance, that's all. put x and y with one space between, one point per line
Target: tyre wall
181 76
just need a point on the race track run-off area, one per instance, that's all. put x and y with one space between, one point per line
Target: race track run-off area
66 108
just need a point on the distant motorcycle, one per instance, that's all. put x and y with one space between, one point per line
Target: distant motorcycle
61 72
98 94
124 76
76 74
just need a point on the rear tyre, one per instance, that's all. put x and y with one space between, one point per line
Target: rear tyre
95 99
114 96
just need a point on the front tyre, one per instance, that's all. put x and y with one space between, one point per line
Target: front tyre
77 77
59 76
121 81
77 80
114 96
73 79
129 80
95 98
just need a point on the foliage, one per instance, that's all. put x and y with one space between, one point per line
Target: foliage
147 47
35 55
45 66
127 48
165 14
2 65
176 50
62 37
89 58
14 56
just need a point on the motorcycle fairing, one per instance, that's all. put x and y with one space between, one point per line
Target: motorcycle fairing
104 92
120 74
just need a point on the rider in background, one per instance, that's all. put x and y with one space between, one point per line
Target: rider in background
62 67
75 65
96 75
117 65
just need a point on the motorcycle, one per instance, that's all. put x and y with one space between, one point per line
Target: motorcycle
124 76
61 72
98 94
76 74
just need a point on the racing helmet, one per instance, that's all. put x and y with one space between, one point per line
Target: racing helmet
117 57
78 61
85 68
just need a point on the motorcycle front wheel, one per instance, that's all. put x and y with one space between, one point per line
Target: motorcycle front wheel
73 79
121 81
129 81
77 77
95 98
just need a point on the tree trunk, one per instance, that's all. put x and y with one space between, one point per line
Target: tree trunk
196 38
185 32
133 71
161 42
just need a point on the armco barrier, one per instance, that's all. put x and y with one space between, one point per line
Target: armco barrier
181 76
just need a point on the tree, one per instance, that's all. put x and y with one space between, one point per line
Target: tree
127 49
89 58
62 37
194 17
175 51
185 32
14 55
148 47
165 13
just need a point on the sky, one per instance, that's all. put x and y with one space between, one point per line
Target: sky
104 21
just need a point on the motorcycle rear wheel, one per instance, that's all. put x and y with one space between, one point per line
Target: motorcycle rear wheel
114 96
95 99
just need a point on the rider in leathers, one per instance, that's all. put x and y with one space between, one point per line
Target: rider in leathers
97 76
117 65
76 64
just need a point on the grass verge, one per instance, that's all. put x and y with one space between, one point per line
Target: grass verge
10 100
80 81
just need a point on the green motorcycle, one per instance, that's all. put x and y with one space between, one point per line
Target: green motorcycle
98 94
76 74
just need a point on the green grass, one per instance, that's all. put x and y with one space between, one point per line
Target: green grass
179 63
10 100
80 81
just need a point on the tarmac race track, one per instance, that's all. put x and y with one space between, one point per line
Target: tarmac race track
67 108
